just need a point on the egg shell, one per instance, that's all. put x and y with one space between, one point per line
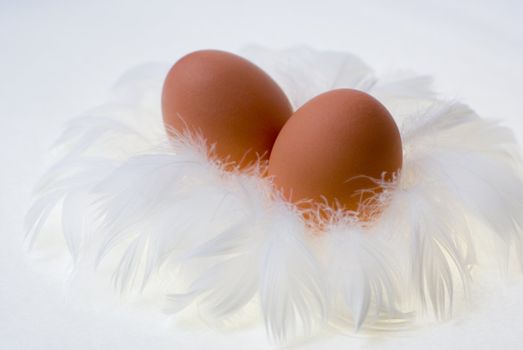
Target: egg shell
330 146
230 101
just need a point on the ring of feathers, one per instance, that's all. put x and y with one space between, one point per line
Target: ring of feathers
224 241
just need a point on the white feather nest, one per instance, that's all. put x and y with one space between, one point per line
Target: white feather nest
225 240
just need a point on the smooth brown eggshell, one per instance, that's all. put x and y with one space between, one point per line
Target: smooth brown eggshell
231 102
329 143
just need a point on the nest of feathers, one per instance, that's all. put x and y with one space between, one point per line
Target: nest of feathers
149 207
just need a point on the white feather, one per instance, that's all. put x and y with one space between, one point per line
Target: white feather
304 73
477 161
292 289
363 274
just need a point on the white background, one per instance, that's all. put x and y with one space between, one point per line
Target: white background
58 58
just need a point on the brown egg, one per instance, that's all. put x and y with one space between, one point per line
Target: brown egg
329 148
230 101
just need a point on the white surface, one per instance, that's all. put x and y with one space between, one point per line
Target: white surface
59 58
